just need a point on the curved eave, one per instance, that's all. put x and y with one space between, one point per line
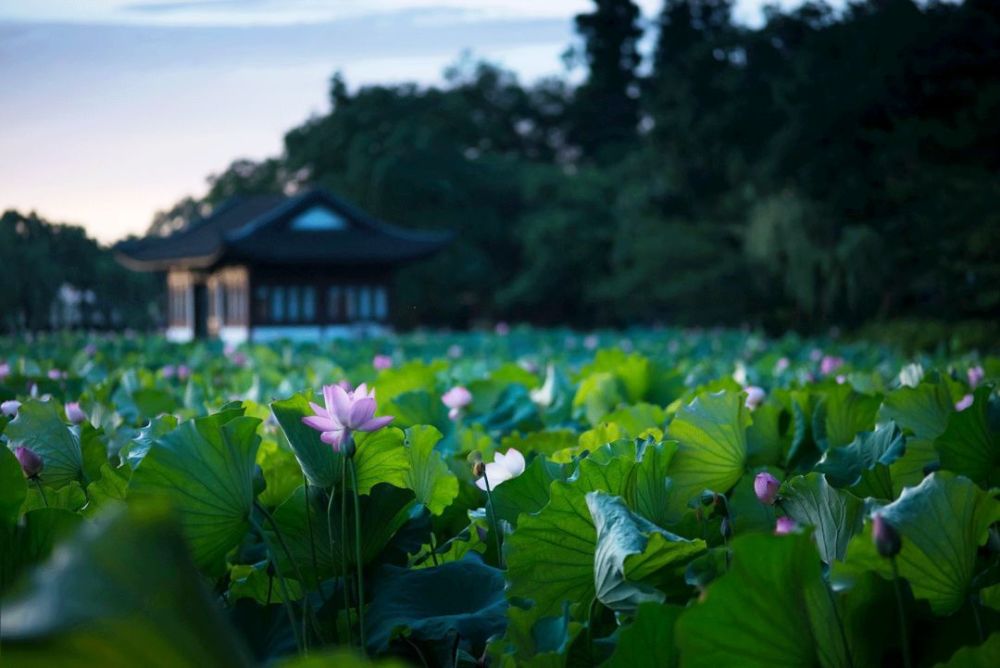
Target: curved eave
163 264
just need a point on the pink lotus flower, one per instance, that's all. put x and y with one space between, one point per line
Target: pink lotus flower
503 468
4 371
964 403
829 364
785 525
183 372
169 371
30 461
381 362
74 413
766 486
755 396
975 375
344 412
9 408
456 399
56 374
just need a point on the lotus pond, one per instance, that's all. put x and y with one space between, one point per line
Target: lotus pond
650 498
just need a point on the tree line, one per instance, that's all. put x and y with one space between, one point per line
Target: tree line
828 167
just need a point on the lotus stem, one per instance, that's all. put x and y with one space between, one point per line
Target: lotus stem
357 551
493 519
41 490
329 535
281 583
343 550
295 566
903 639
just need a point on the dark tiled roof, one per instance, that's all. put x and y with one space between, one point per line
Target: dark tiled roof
257 229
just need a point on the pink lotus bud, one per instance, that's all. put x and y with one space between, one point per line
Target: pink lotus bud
964 403
975 375
183 372
169 371
841 379
74 413
31 463
755 396
887 540
9 408
781 365
457 397
785 525
4 371
381 362
56 374
766 487
829 364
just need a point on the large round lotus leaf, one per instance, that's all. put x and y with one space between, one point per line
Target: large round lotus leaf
772 610
712 452
122 593
13 487
39 425
942 521
428 604
205 469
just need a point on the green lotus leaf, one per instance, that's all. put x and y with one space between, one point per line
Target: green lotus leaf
429 476
841 415
922 410
969 445
649 639
39 425
864 464
837 515
13 487
124 593
771 609
629 550
430 604
712 452
205 469
31 540
942 522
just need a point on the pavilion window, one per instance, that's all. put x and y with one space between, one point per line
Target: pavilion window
261 303
351 303
293 303
309 303
381 303
278 304
334 296
365 303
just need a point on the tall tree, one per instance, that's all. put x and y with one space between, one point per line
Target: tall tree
605 112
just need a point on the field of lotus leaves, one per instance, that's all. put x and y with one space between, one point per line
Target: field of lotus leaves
519 498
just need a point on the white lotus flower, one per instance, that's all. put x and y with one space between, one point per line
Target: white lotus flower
503 468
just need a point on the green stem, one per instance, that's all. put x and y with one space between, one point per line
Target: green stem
434 550
41 490
281 583
312 539
357 551
295 566
343 550
840 626
493 519
902 615
974 600
329 535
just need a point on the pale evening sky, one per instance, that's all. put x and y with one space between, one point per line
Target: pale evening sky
114 109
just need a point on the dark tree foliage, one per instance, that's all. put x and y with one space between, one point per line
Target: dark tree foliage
55 276
825 168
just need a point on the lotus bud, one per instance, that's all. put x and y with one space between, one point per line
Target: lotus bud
9 408
886 538
964 402
785 525
766 487
755 397
31 462
976 375
726 528
74 413
381 362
